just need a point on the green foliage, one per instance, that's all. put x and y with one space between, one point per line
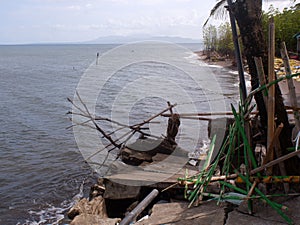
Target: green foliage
210 38
225 44
219 39
286 26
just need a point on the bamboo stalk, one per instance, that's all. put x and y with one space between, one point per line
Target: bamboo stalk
250 202
252 172
207 114
271 94
196 115
237 52
195 118
261 75
281 164
274 205
258 179
271 179
274 162
252 93
272 143
292 92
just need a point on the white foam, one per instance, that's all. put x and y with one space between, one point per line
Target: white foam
54 214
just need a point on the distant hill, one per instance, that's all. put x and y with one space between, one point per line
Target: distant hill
135 38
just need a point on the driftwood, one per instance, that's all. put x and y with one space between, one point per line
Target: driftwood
173 126
121 142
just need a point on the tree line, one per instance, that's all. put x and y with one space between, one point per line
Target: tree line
287 24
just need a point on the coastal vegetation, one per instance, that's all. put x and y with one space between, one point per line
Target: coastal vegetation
219 38
286 26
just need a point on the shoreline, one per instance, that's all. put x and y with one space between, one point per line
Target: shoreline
227 63
107 196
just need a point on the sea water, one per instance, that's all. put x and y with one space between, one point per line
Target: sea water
42 171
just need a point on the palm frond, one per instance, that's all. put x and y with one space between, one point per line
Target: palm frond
217 11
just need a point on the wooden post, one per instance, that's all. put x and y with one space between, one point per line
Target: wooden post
292 92
271 93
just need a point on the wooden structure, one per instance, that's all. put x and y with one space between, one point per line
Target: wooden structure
161 173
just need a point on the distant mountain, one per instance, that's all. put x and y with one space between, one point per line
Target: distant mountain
135 38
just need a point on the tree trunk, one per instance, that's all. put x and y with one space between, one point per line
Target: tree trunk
248 15
248 19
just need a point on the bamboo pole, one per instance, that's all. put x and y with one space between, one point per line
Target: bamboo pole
271 94
281 165
272 143
292 92
196 115
237 53
229 113
274 162
258 179
252 172
272 179
261 75
195 118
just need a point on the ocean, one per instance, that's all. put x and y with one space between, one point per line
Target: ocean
43 171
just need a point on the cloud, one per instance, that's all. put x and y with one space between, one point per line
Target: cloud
74 7
87 19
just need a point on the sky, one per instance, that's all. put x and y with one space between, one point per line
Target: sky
38 21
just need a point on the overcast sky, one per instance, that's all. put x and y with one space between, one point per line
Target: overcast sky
28 21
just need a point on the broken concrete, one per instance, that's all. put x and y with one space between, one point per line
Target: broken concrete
179 213
264 214
119 191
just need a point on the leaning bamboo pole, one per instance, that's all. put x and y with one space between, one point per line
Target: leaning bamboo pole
237 52
271 93
292 92
261 75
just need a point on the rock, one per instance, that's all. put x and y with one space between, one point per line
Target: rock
88 219
96 190
93 207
